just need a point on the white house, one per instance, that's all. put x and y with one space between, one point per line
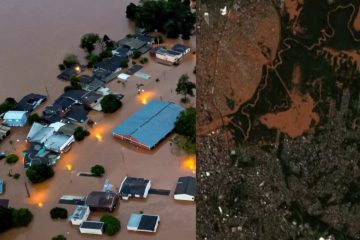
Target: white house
166 55
80 215
15 118
39 133
59 143
185 189
143 222
92 227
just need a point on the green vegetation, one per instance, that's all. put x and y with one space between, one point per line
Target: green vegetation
12 158
136 54
185 87
16 176
59 237
144 60
88 41
230 103
124 63
80 134
185 125
169 17
111 225
11 217
70 60
7 105
58 213
110 103
39 173
98 170
74 84
92 59
33 118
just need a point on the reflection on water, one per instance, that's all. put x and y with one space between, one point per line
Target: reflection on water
189 164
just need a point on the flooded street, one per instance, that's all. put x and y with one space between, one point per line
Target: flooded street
37 35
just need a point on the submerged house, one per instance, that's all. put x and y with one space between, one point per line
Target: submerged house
15 118
30 102
150 125
92 227
143 222
134 188
185 189
80 215
181 49
166 55
102 201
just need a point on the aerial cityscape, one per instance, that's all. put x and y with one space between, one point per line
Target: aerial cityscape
97 129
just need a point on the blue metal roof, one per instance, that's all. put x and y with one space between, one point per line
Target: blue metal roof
151 123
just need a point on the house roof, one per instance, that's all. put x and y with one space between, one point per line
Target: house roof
67 74
148 222
92 225
180 48
133 186
166 52
56 141
132 43
68 129
14 115
144 37
77 113
111 64
37 154
39 133
76 95
186 185
79 212
151 123
56 125
30 102
63 103
101 199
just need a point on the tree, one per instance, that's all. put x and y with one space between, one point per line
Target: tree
172 29
80 133
12 158
110 103
131 11
111 224
98 170
92 59
5 219
21 217
185 87
136 54
8 104
70 60
59 237
88 41
39 173
186 124
57 212
124 63
34 118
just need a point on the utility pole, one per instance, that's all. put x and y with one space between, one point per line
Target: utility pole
47 92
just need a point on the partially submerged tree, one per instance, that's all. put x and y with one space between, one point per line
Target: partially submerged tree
59 237
12 158
98 170
39 173
185 87
71 60
111 225
8 104
21 217
80 133
185 126
34 118
88 41
110 103
58 212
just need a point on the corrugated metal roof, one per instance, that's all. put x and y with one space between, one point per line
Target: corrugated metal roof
151 123
14 114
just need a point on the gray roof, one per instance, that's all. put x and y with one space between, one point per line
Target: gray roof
68 129
101 199
56 141
79 212
186 185
133 186
92 225
39 133
132 43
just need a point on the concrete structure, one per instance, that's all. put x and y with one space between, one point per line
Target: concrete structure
92 227
185 189
80 215
152 123
15 118
102 201
134 188
143 222
166 55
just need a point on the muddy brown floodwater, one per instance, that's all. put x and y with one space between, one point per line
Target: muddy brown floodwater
36 36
